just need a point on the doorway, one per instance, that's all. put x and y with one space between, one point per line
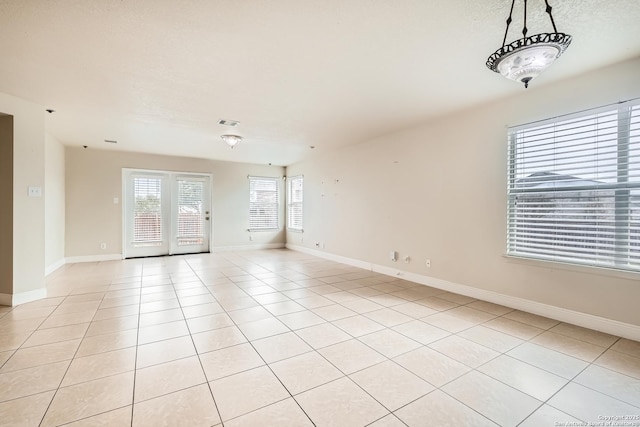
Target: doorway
165 213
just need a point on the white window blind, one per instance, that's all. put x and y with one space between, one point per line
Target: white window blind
147 215
263 203
294 203
574 188
190 216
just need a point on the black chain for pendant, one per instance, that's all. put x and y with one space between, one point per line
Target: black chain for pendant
504 41
524 28
549 8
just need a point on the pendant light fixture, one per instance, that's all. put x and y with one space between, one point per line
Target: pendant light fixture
231 140
524 59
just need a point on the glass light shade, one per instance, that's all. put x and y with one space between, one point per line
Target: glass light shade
528 62
231 140
524 59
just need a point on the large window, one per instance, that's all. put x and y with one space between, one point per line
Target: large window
263 203
574 188
294 203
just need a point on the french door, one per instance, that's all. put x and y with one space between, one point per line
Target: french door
165 213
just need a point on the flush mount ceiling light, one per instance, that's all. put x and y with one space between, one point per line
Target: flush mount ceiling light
525 58
231 140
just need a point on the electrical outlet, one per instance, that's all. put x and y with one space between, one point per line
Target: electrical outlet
35 191
103 246
428 263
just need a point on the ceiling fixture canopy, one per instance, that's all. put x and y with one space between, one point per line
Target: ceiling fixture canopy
226 122
525 58
231 140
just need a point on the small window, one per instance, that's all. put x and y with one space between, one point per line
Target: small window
263 203
574 188
294 203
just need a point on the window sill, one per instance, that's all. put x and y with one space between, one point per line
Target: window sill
578 268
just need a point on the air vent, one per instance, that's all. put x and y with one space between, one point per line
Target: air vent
232 123
110 141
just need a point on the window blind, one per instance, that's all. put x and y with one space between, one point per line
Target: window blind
147 215
263 203
190 215
574 188
294 203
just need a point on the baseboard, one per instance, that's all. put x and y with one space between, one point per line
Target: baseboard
331 257
254 247
93 258
613 327
23 297
118 257
53 267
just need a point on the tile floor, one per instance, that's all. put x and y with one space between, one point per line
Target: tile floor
280 338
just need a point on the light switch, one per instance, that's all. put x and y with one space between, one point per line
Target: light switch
115 200
35 192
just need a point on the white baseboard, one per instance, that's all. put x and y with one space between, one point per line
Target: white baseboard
93 258
254 247
6 299
23 297
331 257
613 327
53 267
118 257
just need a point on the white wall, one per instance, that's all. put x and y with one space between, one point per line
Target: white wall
94 178
54 202
438 191
28 212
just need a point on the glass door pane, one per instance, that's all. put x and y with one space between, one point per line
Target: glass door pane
147 212
191 213
146 204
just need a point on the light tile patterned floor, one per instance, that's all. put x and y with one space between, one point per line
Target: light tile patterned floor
280 338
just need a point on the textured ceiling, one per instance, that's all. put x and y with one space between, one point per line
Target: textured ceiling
157 75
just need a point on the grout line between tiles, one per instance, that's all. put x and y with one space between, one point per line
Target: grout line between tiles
70 361
135 360
301 272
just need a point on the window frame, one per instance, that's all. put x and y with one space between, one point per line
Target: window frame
622 189
291 204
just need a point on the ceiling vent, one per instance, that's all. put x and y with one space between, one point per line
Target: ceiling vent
232 123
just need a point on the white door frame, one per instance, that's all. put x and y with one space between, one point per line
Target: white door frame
169 179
